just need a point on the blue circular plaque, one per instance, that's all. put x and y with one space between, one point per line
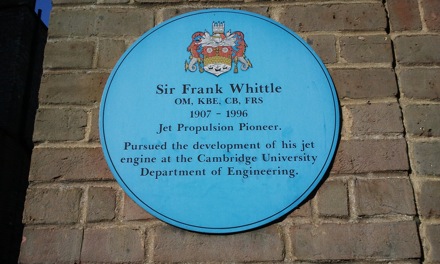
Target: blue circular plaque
219 121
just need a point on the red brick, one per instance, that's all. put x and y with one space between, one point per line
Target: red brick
334 17
420 83
431 10
433 243
364 83
351 241
94 129
428 198
361 156
333 199
69 54
305 210
49 164
324 46
132 211
176 245
60 124
422 120
379 118
404 15
425 157
72 88
101 204
113 245
50 206
384 196
360 49
419 49
50 245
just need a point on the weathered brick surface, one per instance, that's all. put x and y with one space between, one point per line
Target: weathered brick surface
131 211
333 199
114 1
304 210
103 22
347 122
364 83
404 15
324 46
175 245
428 198
333 17
69 54
60 124
120 22
94 129
432 233
58 2
361 213
262 10
420 83
217 0
422 120
112 245
51 245
420 49
52 206
72 22
167 13
384 196
389 240
49 164
431 10
156 1
109 52
377 118
72 88
425 157
356 49
360 156
170 12
101 204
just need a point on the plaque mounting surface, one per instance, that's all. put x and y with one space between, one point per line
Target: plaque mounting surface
219 121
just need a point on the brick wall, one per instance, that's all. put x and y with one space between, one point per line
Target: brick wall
381 202
22 40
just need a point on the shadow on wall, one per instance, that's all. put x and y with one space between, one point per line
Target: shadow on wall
22 40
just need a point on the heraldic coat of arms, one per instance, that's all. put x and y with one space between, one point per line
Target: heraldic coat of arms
217 52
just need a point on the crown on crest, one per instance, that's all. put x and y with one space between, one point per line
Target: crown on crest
218 27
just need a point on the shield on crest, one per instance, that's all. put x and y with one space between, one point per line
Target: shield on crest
216 53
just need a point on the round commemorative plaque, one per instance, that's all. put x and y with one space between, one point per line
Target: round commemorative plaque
219 121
